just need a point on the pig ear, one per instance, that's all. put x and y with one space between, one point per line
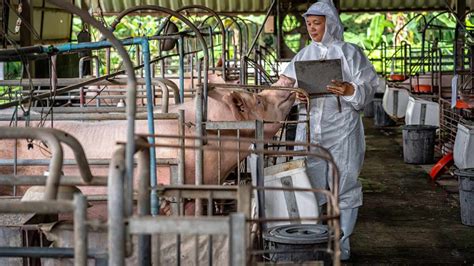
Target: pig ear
236 105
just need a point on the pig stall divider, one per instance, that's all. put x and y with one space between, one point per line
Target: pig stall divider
50 204
210 225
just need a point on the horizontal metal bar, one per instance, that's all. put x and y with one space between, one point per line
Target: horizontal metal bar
39 252
180 225
79 116
94 109
223 125
41 180
34 162
203 194
40 207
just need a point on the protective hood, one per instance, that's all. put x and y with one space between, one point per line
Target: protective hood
334 29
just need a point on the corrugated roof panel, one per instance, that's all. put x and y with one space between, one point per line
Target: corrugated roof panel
261 6
363 5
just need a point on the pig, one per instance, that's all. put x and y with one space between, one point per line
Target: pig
99 138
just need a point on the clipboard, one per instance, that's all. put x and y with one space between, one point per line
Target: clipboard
314 75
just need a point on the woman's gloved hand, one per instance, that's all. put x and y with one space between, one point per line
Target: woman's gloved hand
341 88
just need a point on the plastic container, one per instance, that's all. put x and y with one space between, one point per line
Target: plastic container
418 144
395 102
397 77
466 195
464 146
369 110
288 203
297 243
422 88
381 119
422 112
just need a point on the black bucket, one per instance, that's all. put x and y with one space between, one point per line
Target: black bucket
466 195
381 119
297 243
369 110
418 144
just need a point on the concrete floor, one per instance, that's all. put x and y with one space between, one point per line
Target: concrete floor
406 218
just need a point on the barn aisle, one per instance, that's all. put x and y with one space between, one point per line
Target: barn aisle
406 219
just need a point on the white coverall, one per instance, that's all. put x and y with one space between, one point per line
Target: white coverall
342 133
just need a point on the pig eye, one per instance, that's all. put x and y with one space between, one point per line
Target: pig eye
259 100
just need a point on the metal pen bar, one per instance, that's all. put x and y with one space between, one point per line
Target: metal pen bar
179 225
38 207
41 180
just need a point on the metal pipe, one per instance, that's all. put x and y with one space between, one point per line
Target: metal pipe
151 123
117 206
116 210
131 93
144 201
89 116
199 154
222 28
181 67
26 50
46 135
78 151
41 252
94 58
80 230
270 9
41 180
38 207
259 135
181 142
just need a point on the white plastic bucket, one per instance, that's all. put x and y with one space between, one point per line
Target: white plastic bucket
422 112
395 102
464 147
289 204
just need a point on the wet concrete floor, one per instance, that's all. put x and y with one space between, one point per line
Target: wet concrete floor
406 218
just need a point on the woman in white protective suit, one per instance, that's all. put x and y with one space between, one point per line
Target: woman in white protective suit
341 132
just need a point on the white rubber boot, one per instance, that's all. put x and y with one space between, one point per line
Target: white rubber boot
348 221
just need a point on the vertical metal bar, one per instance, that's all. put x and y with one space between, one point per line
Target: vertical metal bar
191 69
260 175
156 256
199 155
107 61
178 236
144 241
238 157
139 60
115 206
151 129
80 230
181 143
15 149
27 240
181 67
210 201
219 157
211 46
237 243
196 250
54 73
